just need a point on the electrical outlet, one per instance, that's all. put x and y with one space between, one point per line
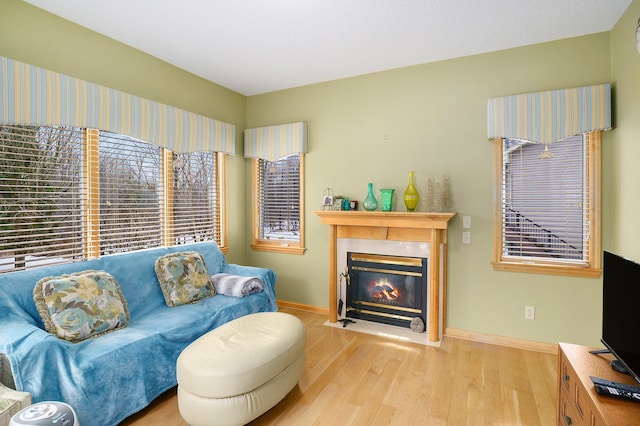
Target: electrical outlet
466 237
529 312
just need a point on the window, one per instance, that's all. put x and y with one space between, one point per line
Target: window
278 200
68 194
548 206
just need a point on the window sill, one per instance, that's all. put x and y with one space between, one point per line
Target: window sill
538 268
278 248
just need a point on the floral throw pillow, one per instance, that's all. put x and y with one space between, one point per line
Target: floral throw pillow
183 278
82 305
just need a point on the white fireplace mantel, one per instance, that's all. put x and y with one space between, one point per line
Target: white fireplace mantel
394 226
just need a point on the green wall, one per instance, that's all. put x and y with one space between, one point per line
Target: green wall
376 128
39 38
621 197
434 119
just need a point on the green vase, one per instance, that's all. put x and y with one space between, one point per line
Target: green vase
386 199
370 203
411 195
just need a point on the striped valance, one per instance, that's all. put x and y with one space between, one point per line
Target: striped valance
275 142
35 96
550 116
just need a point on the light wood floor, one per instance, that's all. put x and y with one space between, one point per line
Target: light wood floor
359 379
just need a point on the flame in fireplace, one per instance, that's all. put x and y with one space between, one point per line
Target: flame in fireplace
384 290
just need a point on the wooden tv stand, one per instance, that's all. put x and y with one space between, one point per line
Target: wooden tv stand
578 402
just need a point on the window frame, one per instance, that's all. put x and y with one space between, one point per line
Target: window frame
593 173
260 244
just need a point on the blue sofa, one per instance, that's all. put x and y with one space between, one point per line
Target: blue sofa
110 377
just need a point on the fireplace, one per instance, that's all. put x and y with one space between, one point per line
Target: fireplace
387 289
423 234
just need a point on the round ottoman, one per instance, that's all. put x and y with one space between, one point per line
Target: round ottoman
238 371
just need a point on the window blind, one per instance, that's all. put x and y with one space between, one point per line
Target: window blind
130 194
279 199
41 194
545 207
196 198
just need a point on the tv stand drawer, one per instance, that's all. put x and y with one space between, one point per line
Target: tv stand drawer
574 408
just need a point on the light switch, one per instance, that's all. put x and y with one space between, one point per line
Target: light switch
466 222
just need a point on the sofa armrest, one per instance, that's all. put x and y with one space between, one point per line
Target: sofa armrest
268 277
15 329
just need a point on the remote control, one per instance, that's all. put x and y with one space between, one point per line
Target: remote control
616 389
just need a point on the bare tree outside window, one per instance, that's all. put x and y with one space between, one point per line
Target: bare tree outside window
278 214
280 199
40 195
195 197
130 190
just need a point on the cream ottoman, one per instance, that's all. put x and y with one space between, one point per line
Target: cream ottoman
238 371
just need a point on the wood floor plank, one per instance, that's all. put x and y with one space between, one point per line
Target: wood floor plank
339 412
352 378
543 385
395 395
443 379
409 392
369 371
490 385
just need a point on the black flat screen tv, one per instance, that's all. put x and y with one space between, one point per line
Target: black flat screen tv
620 302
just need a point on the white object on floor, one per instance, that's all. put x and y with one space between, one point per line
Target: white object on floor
47 413
11 401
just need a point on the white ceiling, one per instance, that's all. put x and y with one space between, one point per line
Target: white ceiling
260 46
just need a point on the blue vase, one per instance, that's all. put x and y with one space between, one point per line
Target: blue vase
370 203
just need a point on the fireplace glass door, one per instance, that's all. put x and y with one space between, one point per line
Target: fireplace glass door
386 289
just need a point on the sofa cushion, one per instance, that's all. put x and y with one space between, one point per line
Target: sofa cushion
183 278
81 305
